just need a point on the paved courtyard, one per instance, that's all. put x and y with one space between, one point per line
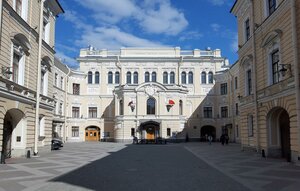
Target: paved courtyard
114 166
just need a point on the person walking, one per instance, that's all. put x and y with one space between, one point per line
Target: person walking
222 139
210 139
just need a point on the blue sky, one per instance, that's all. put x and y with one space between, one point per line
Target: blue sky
112 24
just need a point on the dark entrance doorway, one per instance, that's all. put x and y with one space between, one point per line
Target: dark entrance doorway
284 124
206 131
150 130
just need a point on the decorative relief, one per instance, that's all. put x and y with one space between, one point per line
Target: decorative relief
150 90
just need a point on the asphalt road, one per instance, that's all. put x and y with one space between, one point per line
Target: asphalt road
149 168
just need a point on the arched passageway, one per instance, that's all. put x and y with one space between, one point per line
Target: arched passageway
206 131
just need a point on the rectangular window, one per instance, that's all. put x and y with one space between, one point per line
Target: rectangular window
75 112
271 6
92 112
275 66
247 29
224 89
15 69
207 112
236 83
236 109
132 132
55 79
224 112
250 125
60 109
168 131
76 89
75 131
61 82
249 82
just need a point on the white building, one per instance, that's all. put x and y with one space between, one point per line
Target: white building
148 93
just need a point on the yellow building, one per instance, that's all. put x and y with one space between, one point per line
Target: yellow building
26 61
268 38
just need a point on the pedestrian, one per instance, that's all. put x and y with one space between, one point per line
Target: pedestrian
210 139
222 139
226 139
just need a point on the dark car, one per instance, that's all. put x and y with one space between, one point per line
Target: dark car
56 144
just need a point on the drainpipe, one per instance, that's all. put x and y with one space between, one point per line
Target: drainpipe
1 9
254 76
65 104
38 86
296 68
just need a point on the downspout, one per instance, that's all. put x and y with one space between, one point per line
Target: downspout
254 77
38 86
296 69
65 104
1 10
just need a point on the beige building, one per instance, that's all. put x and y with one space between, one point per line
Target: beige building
268 38
26 61
150 93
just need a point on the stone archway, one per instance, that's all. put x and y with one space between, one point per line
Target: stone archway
279 133
92 133
150 130
206 131
13 128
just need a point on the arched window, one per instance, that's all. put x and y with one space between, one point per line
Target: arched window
135 78
128 77
172 78
153 76
180 107
165 77
203 77
147 77
183 77
117 78
191 78
90 77
210 78
97 77
151 106
110 78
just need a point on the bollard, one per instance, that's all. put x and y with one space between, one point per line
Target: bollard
28 154
263 154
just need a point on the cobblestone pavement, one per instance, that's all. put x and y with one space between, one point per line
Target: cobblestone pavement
32 174
248 168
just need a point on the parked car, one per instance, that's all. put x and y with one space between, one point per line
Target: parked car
56 142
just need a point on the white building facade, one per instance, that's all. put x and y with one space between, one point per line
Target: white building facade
147 93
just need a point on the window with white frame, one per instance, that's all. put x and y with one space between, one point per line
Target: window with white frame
117 78
46 28
147 77
110 78
90 77
183 77
21 7
275 66
203 77
75 112
18 62
210 77
76 89
75 131
92 112
97 77
165 78
271 6
191 78
128 77
249 82
247 29
172 78
153 76
135 77
44 78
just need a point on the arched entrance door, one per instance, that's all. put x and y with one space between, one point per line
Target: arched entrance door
279 133
13 120
150 130
92 133
208 130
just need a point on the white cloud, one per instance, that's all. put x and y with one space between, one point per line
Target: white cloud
216 27
190 35
71 62
146 14
113 38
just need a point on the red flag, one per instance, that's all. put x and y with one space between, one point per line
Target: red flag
171 102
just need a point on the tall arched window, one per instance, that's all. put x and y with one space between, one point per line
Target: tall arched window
153 76
135 78
172 78
97 77
210 78
180 107
147 77
128 77
203 77
90 77
151 106
117 78
191 78
183 77
121 109
110 78
165 77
